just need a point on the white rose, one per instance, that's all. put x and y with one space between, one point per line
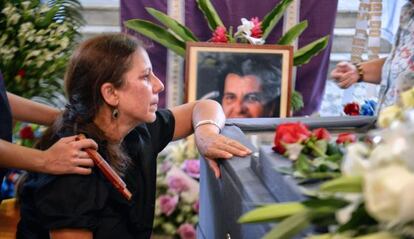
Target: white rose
387 194
381 155
396 146
355 162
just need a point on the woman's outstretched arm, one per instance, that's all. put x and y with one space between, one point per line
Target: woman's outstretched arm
206 118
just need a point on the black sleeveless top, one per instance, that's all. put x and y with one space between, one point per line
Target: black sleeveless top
5 122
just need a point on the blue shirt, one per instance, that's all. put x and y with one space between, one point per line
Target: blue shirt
5 122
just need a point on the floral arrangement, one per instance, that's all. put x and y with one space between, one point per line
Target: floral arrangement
36 40
176 212
371 199
173 35
313 153
354 109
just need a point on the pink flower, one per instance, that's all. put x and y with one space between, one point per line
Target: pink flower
220 35
257 28
187 231
176 183
168 204
196 206
192 167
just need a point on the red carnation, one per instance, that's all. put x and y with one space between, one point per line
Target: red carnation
290 133
220 35
346 138
321 134
351 109
257 28
21 73
26 133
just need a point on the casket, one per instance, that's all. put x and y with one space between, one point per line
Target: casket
255 180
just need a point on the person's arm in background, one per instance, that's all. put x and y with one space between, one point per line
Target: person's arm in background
30 111
64 157
346 74
209 142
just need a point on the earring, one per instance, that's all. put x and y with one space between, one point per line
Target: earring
115 113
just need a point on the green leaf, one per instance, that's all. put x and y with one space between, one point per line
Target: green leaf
333 149
322 145
323 236
328 202
302 164
296 101
359 218
323 175
157 34
335 158
210 14
293 33
273 17
379 235
304 54
344 184
183 32
45 20
272 212
289 227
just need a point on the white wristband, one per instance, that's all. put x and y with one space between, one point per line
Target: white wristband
203 122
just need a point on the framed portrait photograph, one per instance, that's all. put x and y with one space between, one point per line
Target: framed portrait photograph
249 81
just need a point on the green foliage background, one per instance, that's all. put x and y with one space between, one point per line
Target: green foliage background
36 40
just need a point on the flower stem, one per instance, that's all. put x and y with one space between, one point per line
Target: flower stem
318 152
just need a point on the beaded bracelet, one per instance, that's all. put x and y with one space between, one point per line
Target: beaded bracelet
360 72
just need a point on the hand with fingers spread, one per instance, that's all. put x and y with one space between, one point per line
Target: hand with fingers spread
66 156
345 74
214 146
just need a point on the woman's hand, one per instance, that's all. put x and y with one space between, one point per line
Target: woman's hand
212 146
345 74
66 156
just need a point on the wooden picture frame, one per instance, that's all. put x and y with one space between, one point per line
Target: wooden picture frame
250 81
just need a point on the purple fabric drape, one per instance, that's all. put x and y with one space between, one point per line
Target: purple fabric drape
310 80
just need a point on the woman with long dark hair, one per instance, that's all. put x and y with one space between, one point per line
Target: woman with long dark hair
113 95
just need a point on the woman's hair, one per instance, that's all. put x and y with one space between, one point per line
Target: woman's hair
99 60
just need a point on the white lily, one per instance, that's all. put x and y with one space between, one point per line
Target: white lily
255 41
245 27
